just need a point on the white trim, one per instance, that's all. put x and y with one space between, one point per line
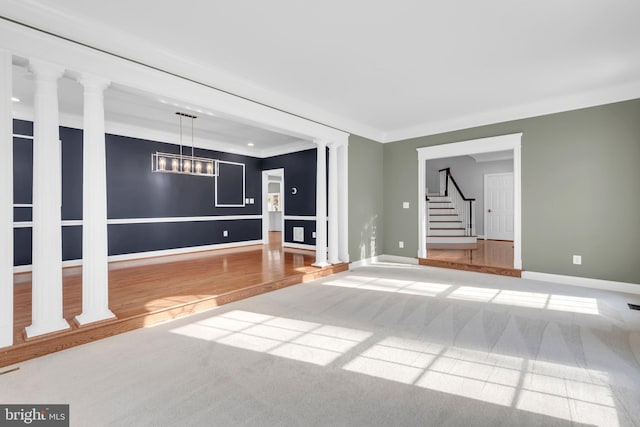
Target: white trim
364 262
113 127
299 246
463 148
78 222
182 219
398 259
22 205
299 217
585 282
286 149
152 254
550 106
239 205
29 43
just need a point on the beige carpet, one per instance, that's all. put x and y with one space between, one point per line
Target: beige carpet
384 345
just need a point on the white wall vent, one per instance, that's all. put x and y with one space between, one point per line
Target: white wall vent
298 234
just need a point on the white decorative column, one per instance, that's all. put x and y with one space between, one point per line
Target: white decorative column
6 201
95 269
343 201
333 204
46 286
423 213
321 205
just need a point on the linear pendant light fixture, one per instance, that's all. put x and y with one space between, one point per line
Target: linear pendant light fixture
184 164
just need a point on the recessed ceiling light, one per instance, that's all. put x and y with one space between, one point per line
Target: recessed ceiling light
14 99
251 144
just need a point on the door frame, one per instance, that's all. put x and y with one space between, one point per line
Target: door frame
464 148
265 195
484 214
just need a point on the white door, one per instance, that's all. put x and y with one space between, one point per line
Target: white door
498 206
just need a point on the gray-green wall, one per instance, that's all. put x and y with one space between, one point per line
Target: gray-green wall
580 190
365 198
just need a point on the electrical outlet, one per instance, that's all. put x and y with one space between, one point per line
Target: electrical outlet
405 205
225 233
401 244
313 234
577 259
251 201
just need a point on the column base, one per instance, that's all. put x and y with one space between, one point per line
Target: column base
321 264
86 318
334 261
56 326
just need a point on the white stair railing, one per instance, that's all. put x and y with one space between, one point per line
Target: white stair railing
464 207
443 181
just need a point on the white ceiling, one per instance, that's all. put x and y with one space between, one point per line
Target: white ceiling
131 109
384 70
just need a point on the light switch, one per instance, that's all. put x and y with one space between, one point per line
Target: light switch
405 205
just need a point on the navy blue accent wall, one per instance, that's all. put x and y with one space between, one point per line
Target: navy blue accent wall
21 246
71 242
299 172
229 184
133 191
71 173
309 228
22 190
22 214
22 127
131 238
22 170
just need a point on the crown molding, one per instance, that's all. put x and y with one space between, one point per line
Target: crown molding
551 106
103 38
141 132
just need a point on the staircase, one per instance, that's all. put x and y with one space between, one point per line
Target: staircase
450 217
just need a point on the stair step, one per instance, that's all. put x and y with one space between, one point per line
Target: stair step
431 240
446 232
444 218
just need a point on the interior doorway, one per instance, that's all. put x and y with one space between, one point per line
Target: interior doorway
485 145
273 206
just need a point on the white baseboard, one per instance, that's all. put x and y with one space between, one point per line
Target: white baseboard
150 254
364 262
398 259
607 285
383 258
299 246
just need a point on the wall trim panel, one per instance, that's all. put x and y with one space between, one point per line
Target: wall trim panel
151 254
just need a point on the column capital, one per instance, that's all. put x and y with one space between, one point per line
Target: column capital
45 70
337 144
93 82
320 142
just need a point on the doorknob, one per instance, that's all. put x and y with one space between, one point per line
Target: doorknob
488 210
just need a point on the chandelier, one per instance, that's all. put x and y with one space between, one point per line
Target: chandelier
181 163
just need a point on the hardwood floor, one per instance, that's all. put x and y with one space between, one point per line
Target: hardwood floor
148 291
490 256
